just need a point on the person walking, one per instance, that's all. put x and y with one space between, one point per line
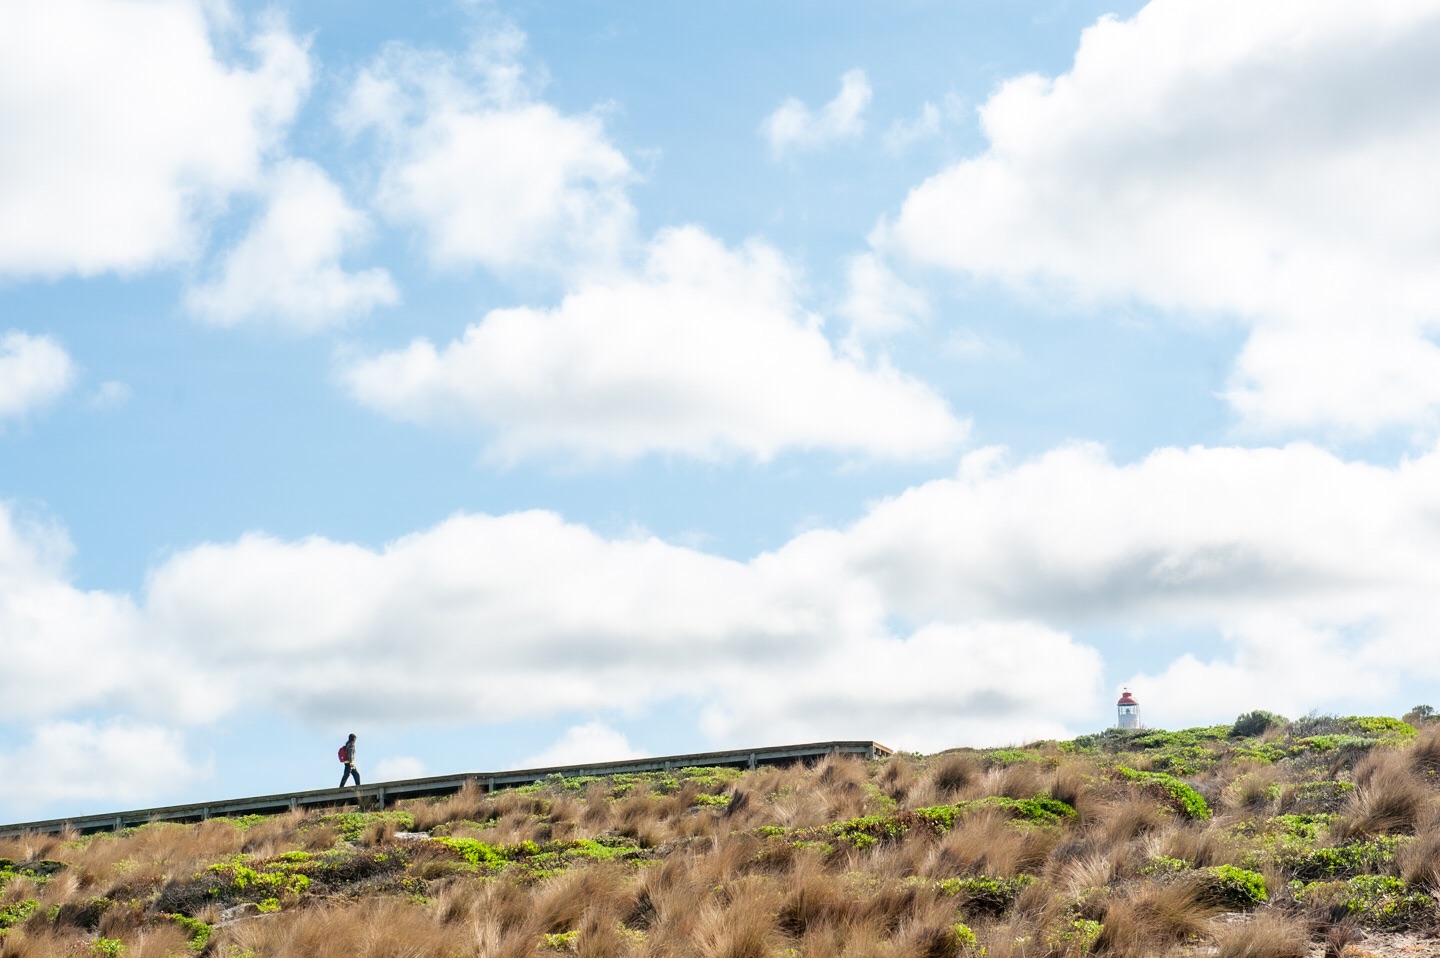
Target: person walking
347 755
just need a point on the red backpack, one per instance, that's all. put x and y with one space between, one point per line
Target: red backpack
345 752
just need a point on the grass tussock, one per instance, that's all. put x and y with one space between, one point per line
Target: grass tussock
1264 936
1124 844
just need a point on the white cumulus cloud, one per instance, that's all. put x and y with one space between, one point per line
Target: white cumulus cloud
949 614
111 394
463 621
34 371
75 762
397 768
49 625
125 129
287 268
582 744
489 174
1267 551
705 352
905 133
1269 162
877 302
945 684
794 126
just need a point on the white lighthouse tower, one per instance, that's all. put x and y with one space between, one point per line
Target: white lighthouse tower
1127 711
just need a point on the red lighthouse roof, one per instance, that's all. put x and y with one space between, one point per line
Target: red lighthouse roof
1127 699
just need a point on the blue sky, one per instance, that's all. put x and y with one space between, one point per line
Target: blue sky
524 382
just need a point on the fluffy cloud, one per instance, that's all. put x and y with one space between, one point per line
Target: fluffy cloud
905 133
74 762
34 370
1184 535
877 301
49 626
1316 574
794 126
945 615
466 620
397 768
705 352
591 742
961 597
111 394
287 268
1270 162
489 174
124 128
1278 662
996 682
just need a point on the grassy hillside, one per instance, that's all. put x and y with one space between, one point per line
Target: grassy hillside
1255 840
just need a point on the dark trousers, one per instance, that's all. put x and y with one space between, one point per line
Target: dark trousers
349 770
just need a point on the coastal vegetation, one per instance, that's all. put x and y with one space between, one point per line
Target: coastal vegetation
1266 838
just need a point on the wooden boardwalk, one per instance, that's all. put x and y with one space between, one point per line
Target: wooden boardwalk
379 794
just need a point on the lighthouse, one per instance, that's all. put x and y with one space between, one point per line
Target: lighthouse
1127 711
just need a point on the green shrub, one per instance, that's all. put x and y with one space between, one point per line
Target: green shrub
867 830
39 872
1419 715
243 822
1346 861
16 912
237 881
1255 723
1380 901
961 936
1320 797
1077 936
1234 887
198 931
983 894
1164 865
1184 798
1010 756
473 851
352 825
1041 810
705 800
1383 726
1266 753
1306 827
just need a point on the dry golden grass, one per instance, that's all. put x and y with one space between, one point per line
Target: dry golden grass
385 928
951 773
1251 791
1145 918
1425 752
752 866
1203 846
1389 797
1264 936
1419 861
